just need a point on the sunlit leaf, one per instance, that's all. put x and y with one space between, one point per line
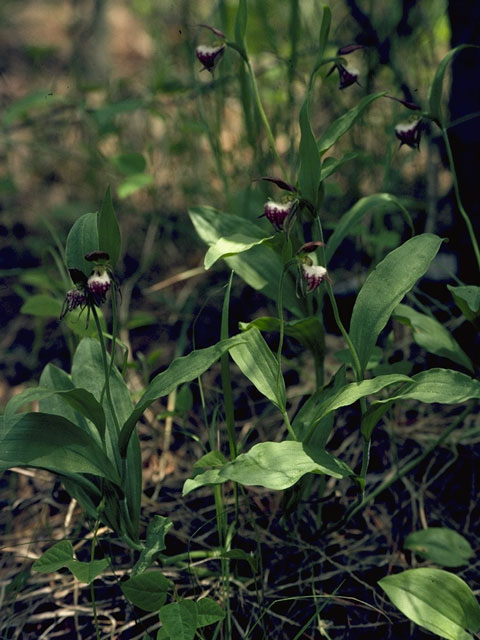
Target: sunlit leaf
436 600
279 465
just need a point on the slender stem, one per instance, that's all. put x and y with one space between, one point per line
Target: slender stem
264 118
92 590
105 367
461 208
356 361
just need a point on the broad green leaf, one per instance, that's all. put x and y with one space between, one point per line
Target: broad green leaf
345 396
260 267
436 88
180 619
79 399
279 465
443 546
432 336
208 612
82 239
181 370
129 163
237 243
436 600
54 558
147 590
467 299
134 183
51 442
341 125
109 238
260 366
208 477
77 323
154 544
42 305
88 372
87 571
443 386
309 173
356 213
384 289
308 331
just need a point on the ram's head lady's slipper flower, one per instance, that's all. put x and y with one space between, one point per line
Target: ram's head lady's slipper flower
210 56
313 275
279 213
75 298
346 76
98 284
409 133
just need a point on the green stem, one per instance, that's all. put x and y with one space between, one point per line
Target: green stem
258 101
105 367
461 208
92 590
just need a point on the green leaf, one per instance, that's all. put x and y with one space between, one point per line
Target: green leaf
87 571
133 184
241 24
54 558
88 373
82 239
323 36
443 386
330 165
436 600
436 88
51 442
345 396
344 227
181 370
147 590
440 545
180 619
129 163
206 478
42 305
260 366
279 465
154 544
22 107
79 399
208 612
237 243
109 237
341 125
260 267
432 336
308 331
467 299
309 174
384 289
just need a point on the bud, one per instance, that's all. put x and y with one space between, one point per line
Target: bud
278 213
98 284
311 246
347 76
209 56
314 275
409 133
75 298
